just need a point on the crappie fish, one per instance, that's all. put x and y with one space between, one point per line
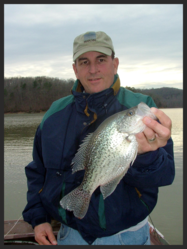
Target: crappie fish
106 154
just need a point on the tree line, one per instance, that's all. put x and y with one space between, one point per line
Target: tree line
164 97
36 94
33 94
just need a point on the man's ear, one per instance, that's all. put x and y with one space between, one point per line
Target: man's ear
116 63
75 69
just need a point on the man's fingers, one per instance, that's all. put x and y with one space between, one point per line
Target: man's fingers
42 240
149 133
155 134
52 238
163 132
163 118
44 234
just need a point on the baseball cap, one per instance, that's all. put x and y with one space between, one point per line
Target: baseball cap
92 41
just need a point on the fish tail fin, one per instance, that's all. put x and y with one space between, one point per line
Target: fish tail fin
77 201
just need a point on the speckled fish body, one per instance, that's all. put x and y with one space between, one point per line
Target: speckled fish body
106 155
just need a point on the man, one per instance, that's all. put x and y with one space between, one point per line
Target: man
122 217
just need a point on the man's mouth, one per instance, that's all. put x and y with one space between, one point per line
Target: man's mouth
94 79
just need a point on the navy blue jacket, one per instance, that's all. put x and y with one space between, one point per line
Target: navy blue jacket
50 177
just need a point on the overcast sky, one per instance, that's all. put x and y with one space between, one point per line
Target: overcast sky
147 38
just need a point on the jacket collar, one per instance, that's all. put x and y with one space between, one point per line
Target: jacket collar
77 87
94 104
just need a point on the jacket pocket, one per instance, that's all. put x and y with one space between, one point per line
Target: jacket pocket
63 232
138 237
51 191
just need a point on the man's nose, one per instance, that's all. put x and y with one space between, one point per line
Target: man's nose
93 68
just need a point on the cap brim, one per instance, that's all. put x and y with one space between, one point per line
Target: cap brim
102 50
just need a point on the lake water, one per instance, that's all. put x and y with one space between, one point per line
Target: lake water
19 131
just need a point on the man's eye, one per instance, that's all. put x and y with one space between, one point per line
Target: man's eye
83 62
101 60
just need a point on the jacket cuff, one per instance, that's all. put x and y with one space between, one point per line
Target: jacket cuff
146 159
39 220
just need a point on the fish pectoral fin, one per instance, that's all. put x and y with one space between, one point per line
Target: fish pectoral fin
135 155
110 186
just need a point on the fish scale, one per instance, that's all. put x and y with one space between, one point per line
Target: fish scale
105 155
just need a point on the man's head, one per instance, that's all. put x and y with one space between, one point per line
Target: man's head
95 65
92 41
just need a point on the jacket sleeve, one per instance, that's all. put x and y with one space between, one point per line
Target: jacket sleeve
153 169
34 213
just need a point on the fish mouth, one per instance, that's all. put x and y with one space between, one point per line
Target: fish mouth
144 110
141 111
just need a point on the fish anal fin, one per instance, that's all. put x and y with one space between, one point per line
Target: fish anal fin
108 188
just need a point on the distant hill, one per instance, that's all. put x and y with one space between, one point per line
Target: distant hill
165 97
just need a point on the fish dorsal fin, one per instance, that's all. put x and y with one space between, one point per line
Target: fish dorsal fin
79 161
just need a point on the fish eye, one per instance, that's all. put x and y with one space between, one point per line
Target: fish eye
130 113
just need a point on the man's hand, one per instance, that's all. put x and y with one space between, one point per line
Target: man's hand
44 234
155 134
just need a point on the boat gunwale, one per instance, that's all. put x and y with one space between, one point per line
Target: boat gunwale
16 233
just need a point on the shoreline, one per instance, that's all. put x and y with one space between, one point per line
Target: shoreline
21 112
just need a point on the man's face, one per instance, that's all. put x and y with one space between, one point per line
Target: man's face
95 71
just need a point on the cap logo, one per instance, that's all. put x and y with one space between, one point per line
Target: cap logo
91 36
